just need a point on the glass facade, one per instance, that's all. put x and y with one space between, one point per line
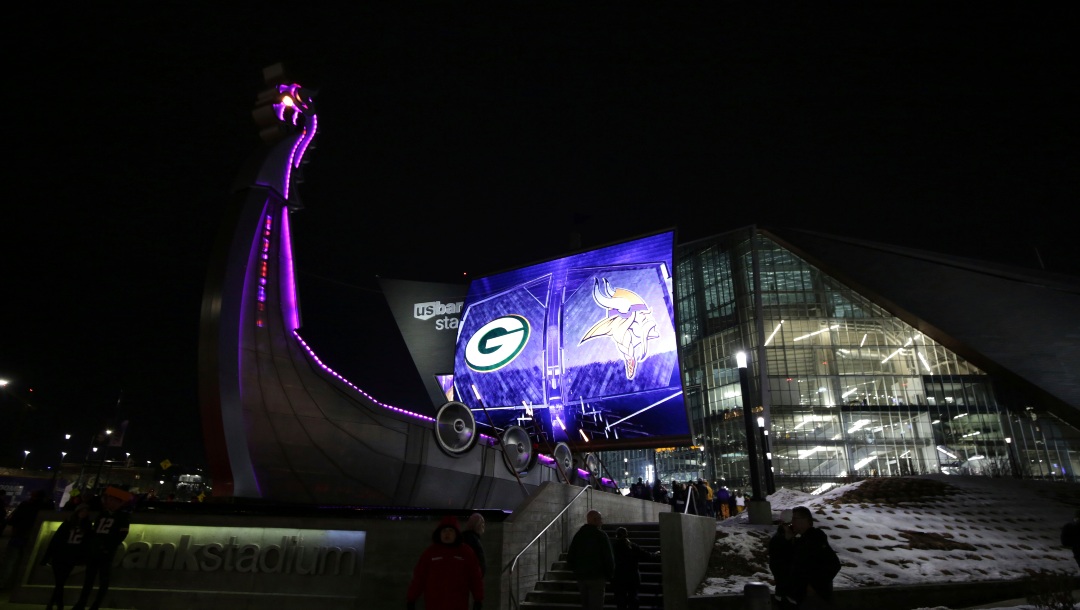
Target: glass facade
846 390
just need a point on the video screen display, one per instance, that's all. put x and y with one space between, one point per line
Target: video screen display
580 349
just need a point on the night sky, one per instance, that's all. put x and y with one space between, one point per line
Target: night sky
457 141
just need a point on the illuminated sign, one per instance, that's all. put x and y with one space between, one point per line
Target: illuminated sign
586 344
194 557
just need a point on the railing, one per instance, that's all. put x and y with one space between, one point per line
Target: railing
514 577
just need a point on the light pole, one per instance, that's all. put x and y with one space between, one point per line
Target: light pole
770 485
26 453
748 419
759 509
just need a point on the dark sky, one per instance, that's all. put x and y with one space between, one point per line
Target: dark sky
456 140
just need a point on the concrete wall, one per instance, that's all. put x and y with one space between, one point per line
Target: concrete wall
686 543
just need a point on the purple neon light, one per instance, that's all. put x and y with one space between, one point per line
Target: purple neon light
366 395
260 306
287 274
298 150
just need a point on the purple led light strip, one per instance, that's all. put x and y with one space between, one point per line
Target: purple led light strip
298 150
286 274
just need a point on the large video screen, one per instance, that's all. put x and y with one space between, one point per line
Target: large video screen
580 349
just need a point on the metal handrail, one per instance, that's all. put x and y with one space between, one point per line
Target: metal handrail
513 564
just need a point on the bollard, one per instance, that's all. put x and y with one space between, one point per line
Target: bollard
756 596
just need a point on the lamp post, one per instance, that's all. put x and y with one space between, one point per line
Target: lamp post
748 419
759 509
26 453
770 484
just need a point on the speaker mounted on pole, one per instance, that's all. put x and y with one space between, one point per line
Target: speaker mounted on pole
518 450
564 460
592 464
455 429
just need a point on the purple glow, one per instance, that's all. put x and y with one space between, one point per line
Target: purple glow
286 274
311 353
545 459
298 150
260 307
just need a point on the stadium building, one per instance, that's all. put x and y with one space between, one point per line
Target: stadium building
866 360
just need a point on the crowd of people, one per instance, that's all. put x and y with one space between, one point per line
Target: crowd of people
695 497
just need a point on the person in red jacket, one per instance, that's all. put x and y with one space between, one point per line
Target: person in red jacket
446 572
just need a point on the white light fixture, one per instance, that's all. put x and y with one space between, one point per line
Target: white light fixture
740 359
864 462
808 452
925 363
859 424
817 332
944 451
773 334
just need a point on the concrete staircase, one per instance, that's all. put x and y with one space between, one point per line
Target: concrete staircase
558 589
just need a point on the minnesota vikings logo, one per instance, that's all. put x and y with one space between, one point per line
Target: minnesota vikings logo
629 323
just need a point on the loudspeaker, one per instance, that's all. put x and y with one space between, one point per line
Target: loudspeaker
455 429
518 450
565 460
592 464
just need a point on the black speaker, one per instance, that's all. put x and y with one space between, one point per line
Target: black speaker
564 459
592 464
518 450
455 429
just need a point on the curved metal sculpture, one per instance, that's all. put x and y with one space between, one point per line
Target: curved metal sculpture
280 425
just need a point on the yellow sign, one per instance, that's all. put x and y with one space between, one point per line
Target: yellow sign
165 464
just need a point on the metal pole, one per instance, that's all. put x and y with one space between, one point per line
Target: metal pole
748 419
770 484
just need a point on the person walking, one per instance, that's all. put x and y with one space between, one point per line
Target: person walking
723 495
68 547
108 530
659 492
447 572
470 534
802 562
627 577
592 560
678 497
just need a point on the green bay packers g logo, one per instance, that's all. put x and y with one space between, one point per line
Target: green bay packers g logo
497 343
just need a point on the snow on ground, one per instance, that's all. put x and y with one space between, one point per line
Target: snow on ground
914 530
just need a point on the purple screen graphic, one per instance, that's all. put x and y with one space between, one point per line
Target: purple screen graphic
585 343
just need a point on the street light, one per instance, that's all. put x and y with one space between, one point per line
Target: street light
26 453
748 420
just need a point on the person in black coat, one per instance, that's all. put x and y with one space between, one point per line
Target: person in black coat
802 562
68 547
109 530
627 578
